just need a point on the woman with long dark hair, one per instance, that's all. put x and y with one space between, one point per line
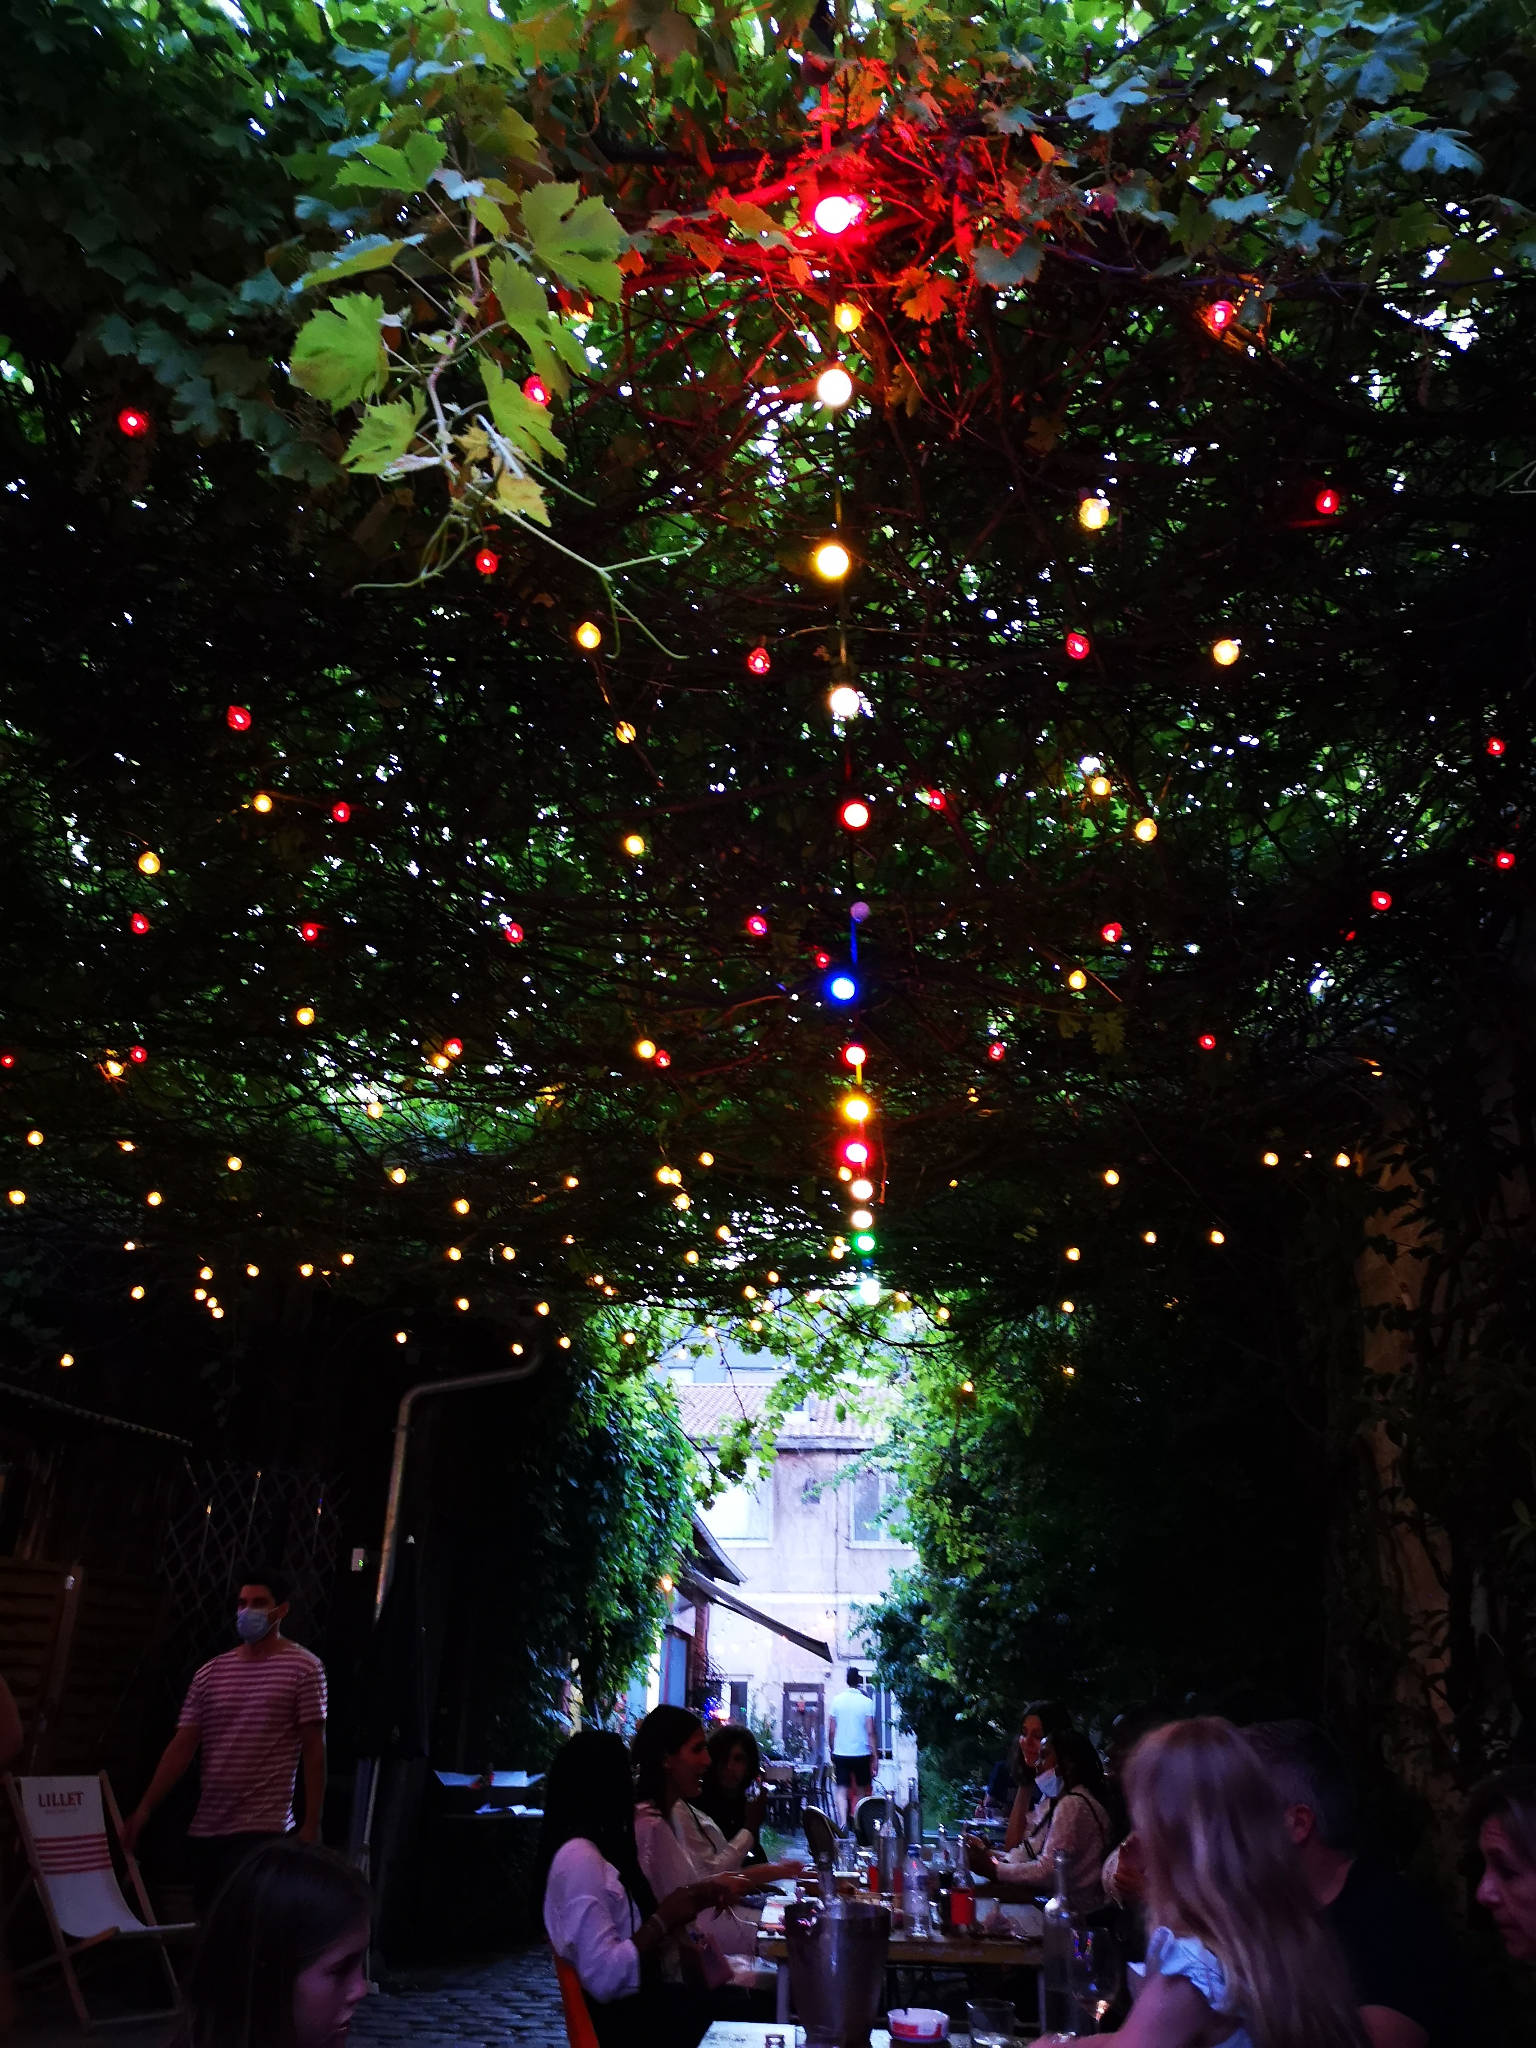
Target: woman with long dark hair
282 1956
670 1757
1070 1776
600 1910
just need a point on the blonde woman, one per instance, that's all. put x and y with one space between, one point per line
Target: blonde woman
1236 1958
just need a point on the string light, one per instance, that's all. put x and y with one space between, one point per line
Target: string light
402 1337
536 390
844 702
862 1190
854 1055
154 1198
1504 859
1111 933
856 1108
341 813
706 1159
1219 315
487 561
1149 1237
854 814
138 923
135 1294
234 1162
237 718
309 931
837 212
847 318
1271 1158
1069 1308
461 1206
589 635
1146 830
304 1015
831 561
34 1137
1218 1236
645 1048
149 863
834 387
1072 1254
1079 646
259 802
132 423
138 1055
397 1175
1099 785
1342 1159
1093 513
66 1358
842 987
856 1152
757 925
253 1272
1077 978
513 934
1327 501
624 733
307 1271
1493 746
634 845
1225 652
16 1197
509 1251
1111 1177
759 661
1207 1041
453 1254
1381 899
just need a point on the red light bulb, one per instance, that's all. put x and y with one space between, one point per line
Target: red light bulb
934 799
536 389
758 661
663 1059
1380 899
138 923
1079 646
137 1054
1110 934
757 925
854 1055
836 213
1207 1041
487 561
341 813
997 1050
237 718
133 423
309 932
1327 501
1504 859
855 814
514 934
1494 747
822 959
856 1152
454 1047
7 1059
1220 315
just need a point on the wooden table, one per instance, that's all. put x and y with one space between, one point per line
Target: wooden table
938 1952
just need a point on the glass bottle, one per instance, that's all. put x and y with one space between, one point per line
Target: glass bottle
914 1895
1061 1957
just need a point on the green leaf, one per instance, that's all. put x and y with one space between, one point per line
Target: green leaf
996 268
370 252
339 353
525 310
524 424
1105 110
1249 207
577 238
1438 149
383 437
380 167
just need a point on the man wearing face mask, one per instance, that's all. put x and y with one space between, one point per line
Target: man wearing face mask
252 1715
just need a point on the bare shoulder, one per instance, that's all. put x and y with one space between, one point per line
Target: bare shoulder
1170 2013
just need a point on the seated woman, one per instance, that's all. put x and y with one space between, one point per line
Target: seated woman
676 1842
1071 1777
600 1911
1503 1814
727 1802
1237 1954
1029 1812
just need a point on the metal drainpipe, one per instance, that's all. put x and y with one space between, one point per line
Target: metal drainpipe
367 1781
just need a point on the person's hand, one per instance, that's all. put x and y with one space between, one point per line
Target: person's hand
310 1831
791 1866
1129 1880
133 1827
982 1859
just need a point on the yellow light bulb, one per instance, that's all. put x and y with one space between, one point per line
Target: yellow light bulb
831 561
397 1175
125 1144
441 1061
1146 830
34 1137
205 1272
723 1232
1093 514
461 1207
856 1108
690 1258
564 1343
634 845
402 1336
375 1109
1225 652
1111 1178
253 1272
149 863
16 1197
624 733
941 1315
517 1350
154 1200
304 1015
541 1308
135 1294
1068 1307
571 1181
114 1069
749 1294
626 1336
1342 1159
1218 1237
706 1159
834 388
1271 1158
234 1162
1077 978
261 802
1072 1254
843 701
589 635
509 1251
1099 786
66 1358
216 1312
454 1253
307 1270
462 1302
862 1190
645 1048
847 318
1149 1237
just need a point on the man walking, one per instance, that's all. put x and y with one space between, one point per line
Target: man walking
854 1740
251 1714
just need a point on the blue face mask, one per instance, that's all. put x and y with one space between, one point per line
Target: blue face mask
253 1623
1047 1784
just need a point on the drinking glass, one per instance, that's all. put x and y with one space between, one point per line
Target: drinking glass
993 2024
1102 1975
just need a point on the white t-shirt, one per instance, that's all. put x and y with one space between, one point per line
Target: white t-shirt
854 1714
590 1921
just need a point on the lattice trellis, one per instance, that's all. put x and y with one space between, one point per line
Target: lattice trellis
232 1517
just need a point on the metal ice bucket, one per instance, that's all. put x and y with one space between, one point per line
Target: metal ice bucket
837 1968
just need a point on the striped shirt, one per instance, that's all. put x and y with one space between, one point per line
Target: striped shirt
248 1712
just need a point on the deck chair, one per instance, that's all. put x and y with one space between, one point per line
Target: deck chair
579 2030
63 1824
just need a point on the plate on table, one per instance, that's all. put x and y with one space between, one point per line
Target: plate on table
924 2023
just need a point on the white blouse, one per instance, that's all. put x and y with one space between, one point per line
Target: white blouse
704 1844
591 1921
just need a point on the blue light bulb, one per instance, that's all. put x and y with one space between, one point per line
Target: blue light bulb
842 988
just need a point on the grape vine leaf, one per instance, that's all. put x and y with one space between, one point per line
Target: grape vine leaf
577 238
383 437
338 354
